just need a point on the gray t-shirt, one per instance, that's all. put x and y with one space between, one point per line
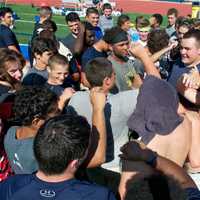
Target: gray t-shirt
35 77
105 23
33 70
118 109
124 74
20 153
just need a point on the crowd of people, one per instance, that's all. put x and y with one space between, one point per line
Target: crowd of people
111 111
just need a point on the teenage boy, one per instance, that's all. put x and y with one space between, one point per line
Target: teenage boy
45 13
156 20
59 80
172 15
42 50
60 147
92 16
106 20
73 22
7 36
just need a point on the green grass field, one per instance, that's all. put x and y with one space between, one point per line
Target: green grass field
24 29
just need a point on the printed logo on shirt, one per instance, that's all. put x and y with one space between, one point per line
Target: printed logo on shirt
129 77
47 193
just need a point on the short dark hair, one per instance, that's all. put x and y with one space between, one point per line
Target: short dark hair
60 140
196 23
92 10
143 22
40 45
157 40
122 19
97 70
155 187
57 59
172 11
184 22
193 33
106 6
49 25
33 102
158 18
112 33
5 10
88 26
72 17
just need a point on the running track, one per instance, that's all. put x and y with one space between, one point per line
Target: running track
136 6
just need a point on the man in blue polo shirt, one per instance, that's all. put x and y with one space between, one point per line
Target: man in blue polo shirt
60 147
7 37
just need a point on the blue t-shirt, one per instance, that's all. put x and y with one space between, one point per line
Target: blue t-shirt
98 32
23 187
57 89
90 54
7 37
193 193
178 70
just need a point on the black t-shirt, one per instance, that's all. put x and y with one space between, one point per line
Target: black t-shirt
7 37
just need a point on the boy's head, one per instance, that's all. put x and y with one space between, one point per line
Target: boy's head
143 28
89 34
183 26
61 143
157 40
92 16
107 10
156 20
172 15
58 69
43 49
6 16
45 13
124 22
99 73
73 22
190 47
49 25
33 105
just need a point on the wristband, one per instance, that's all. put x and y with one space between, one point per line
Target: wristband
152 159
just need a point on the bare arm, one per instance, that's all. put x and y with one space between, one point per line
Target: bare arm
149 67
158 54
64 97
137 82
98 134
155 57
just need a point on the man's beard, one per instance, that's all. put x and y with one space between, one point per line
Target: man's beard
121 57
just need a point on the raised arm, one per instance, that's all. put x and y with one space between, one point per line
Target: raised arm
98 134
139 51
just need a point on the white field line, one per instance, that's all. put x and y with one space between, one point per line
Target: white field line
26 21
